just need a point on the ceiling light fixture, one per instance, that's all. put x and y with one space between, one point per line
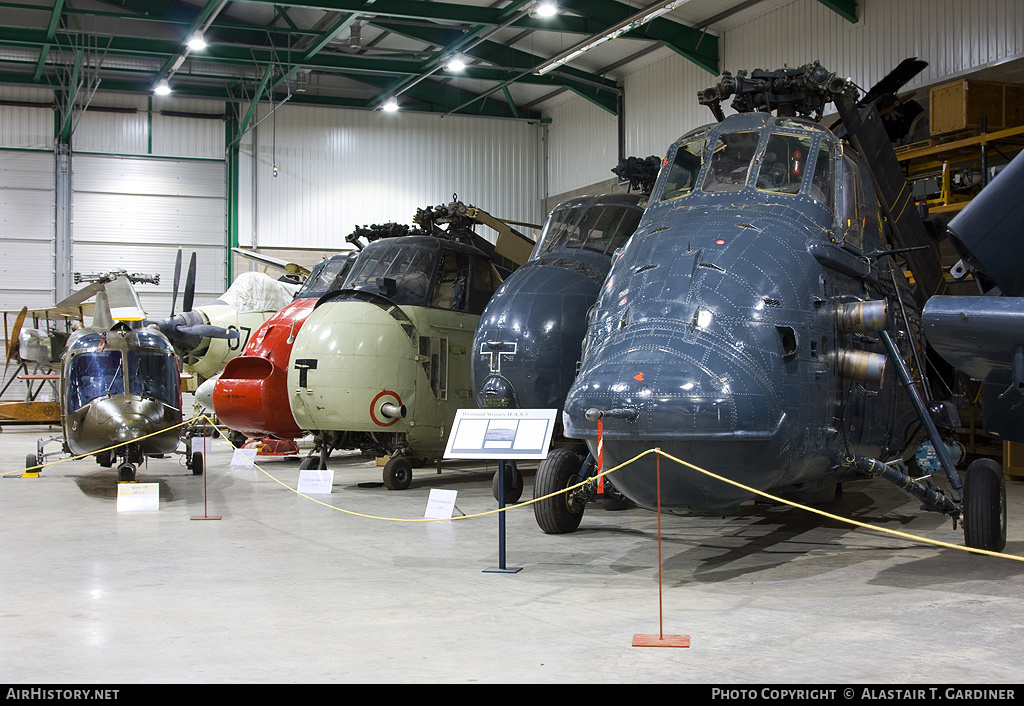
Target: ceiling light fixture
390 105
456 63
545 8
197 42
162 87
627 25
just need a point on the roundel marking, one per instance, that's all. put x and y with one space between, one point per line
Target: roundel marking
374 407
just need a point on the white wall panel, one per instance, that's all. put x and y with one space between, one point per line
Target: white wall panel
953 36
583 145
338 169
26 126
26 229
133 213
661 104
141 133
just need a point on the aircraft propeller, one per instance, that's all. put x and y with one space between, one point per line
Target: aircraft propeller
188 328
12 342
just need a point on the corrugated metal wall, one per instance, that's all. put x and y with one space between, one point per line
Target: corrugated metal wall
144 184
955 37
338 169
582 145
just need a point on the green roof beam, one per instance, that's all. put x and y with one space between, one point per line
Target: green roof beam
847 9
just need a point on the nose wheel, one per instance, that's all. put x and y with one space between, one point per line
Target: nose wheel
513 483
126 473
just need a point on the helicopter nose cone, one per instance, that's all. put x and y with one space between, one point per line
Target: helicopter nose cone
705 401
527 343
497 392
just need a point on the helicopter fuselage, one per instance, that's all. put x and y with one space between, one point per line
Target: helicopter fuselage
120 385
737 329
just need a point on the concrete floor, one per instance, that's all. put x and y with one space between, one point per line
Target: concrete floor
284 589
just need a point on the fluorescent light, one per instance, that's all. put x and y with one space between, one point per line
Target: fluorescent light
456 63
197 42
390 105
627 25
162 87
545 8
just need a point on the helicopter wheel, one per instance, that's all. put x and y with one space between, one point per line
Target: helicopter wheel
105 459
397 473
309 462
558 514
513 483
985 506
198 463
31 461
126 473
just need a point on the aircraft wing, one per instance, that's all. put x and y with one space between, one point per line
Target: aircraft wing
61 312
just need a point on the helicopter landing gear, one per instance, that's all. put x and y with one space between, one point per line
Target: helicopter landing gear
32 460
513 483
397 473
562 513
198 463
984 516
309 462
126 473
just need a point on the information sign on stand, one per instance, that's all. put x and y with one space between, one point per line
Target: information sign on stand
138 497
502 435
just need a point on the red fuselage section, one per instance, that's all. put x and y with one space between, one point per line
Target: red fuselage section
251 395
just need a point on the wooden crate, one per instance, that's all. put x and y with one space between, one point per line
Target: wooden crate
962 104
1013 459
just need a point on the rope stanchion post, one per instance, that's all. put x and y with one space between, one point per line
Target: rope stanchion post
206 514
661 639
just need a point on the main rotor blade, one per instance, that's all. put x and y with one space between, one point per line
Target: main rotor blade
85 293
124 301
190 285
177 276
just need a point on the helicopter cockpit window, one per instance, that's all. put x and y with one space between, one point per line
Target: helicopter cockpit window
450 289
153 374
327 276
397 270
483 283
822 188
602 228
782 166
92 375
730 161
857 203
682 175
558 229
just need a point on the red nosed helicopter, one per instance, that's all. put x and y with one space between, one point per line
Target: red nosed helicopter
251 394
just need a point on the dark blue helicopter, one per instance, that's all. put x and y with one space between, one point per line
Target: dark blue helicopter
527 344
757 322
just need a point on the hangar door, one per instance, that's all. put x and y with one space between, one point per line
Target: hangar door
133 213
27 213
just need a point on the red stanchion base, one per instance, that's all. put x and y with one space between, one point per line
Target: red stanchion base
661 640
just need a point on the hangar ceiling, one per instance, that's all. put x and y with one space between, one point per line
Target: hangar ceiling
360 53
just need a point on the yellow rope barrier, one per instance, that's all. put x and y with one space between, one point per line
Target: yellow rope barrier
109 448
567 489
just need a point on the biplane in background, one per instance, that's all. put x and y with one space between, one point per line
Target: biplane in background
35 342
